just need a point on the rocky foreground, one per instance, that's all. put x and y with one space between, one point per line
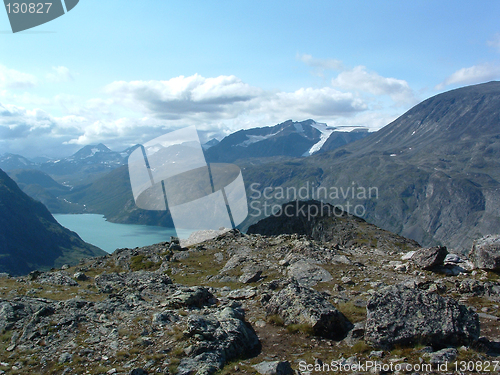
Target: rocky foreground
254 304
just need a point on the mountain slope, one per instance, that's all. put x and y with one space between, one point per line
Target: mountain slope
324 222
41 187
30 238
111 196
288 139
436 170
12 161
338 139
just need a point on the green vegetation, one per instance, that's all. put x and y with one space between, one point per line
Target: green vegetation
276 320
141 262
304 328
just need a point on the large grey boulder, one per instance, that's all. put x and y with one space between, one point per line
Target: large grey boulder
297 304
485 253
399 315
220 337
429 258
189 296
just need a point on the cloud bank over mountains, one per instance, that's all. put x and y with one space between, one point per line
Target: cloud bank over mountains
131 112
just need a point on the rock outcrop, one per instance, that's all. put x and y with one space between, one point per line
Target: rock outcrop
297 304
485 253
429 258
399 315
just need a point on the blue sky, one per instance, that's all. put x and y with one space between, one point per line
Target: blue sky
124 72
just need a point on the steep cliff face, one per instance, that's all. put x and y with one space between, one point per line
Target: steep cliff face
30 238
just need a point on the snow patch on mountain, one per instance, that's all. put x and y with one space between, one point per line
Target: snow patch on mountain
299 128
325 133
256 138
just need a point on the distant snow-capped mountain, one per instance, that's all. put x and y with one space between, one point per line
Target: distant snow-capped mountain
293 139
12 161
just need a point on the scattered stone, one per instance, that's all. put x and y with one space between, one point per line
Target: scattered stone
308 273
398 315
80 276
408 255
356 334
242 293
167 316
138 371
376 353
274 368
250 277
428 258
485 253
452 258
347 280
175 247
56 278
65 357
341 259
137 280
444 355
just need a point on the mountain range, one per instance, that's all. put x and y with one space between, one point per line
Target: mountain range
288 139
432 174
30 237
435 170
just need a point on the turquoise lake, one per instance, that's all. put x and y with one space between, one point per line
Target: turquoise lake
108 236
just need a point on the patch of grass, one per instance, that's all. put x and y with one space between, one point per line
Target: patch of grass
141 262
361 347
174 363
304 328
352 312
276 320
5 338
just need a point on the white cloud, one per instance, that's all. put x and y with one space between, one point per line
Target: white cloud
360 80
185 96
329 64
495 42
309 102
224 98
13 79
137 111
59 74
474 74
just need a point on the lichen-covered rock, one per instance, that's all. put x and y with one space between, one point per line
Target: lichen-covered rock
428 258
190 296
137 280
301 305
398 315
56 278
220 336
485 253
274 368
307 273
